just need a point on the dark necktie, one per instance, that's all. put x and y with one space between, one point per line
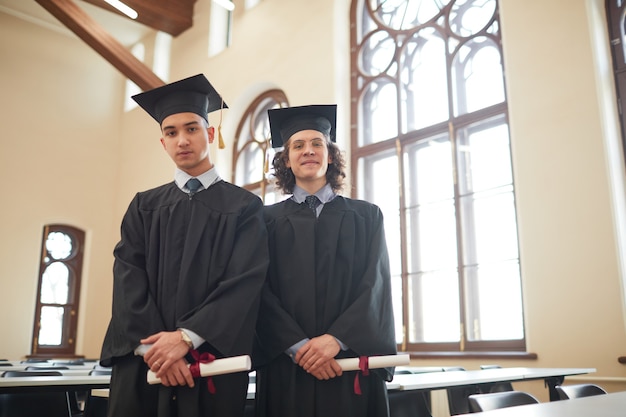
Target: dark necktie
312 202
194 185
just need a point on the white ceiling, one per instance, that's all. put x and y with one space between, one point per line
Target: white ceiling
125 30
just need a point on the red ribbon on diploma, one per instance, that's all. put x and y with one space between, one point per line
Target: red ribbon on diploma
365 370
199 358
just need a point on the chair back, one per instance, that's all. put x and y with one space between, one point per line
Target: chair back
497 386
409 403
46 368
9 374
34 404
70 362
496 400
402 372
457 396
100 372
579 390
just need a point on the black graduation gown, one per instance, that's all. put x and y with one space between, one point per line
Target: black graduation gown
186 262
329 275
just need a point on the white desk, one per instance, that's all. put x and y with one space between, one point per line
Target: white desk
417 369
104 392
54 383
64 372
443 380
73 370
608 405
69 364
407 382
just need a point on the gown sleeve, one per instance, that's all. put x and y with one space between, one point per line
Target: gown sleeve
134 312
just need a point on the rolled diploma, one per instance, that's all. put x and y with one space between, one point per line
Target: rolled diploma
385 361
217 367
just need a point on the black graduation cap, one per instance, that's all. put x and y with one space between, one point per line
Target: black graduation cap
289 120
194 94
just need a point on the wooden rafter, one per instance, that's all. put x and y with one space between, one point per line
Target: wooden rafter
87 29
170 16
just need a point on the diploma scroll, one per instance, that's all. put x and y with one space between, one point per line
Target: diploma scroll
217 367
386 361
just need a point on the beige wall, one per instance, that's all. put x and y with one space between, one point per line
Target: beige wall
60 165
63 127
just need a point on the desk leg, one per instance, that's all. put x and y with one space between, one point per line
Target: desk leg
551 383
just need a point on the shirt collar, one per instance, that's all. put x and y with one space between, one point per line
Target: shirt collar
325 194
207 179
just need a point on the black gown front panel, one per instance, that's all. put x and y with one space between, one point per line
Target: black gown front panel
188 262
327 275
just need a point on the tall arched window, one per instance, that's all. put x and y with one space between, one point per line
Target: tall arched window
252 152
58 291
430 146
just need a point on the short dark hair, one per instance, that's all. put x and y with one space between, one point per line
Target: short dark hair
335 174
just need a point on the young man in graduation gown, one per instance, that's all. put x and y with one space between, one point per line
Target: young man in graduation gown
328 292
188 272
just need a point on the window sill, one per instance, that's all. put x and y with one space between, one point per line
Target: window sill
473 355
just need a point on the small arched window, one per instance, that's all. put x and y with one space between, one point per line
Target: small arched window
58 291
252 152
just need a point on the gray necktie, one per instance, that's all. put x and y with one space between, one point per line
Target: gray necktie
194 185
312 202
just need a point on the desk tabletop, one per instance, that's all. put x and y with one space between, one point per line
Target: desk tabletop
417 369
607 405
104 392
75 379
73 369
54 383
64 372
442 380
70 364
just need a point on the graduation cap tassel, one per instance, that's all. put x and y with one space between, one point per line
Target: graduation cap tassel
220 138
266 168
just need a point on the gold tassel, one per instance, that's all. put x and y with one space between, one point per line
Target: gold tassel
268 145
219 128
220 138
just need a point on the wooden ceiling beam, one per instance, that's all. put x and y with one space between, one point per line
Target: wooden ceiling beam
170 16
87 29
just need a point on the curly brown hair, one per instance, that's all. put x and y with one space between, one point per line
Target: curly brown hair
335 174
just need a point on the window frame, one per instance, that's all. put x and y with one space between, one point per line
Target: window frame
397 145
254 116
616 17
74 263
